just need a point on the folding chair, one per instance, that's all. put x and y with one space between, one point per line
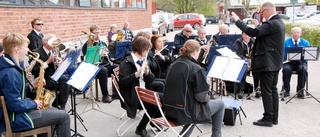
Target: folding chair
116 86
9 133
153 98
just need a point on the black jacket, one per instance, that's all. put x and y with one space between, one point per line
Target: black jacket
243 50
267 53
128 82
157 65
179 40
35 40
186 89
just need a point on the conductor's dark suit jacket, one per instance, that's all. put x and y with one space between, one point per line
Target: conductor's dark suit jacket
35 40
267 53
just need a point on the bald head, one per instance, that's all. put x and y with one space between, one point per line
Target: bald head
187 30
223 29
268 9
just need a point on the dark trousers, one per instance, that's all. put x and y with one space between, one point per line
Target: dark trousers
61 86
104 73
153 111
256 80
269 93
287 73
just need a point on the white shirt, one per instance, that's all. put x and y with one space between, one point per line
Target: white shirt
141 81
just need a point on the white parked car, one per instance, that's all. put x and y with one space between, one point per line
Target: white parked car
312 20
308 15
247 20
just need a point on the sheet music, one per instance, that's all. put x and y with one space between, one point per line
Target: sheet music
233 69
83 75
226 68
218 66
227 53
61 69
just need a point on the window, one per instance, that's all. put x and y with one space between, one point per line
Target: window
183 17
137 4
192 16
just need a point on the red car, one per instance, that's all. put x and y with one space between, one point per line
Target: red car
194 19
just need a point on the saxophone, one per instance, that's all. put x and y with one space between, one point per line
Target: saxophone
41 94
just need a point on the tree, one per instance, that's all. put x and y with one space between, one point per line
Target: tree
312 1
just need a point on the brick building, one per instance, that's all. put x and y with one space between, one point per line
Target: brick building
67 18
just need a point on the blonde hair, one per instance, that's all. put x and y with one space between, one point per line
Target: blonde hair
11 40
189 47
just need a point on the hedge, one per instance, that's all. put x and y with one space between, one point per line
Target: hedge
310 32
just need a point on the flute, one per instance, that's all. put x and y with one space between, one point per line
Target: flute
160 50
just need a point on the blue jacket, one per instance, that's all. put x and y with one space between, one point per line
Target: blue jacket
289 43
14 89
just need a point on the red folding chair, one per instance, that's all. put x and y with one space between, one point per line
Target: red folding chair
153 98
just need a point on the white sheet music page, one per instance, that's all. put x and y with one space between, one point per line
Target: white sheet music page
233 69
82 76
227 53
61 69
218 67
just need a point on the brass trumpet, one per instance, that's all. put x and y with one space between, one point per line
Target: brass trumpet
206 52
90 38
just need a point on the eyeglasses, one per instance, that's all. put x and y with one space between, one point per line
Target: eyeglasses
262 11
189 31
40 24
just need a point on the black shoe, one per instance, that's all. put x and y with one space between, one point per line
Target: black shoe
240 95
262 122
142 133
154 126
115 97
106 99
300 96
275 122
286 94
258 94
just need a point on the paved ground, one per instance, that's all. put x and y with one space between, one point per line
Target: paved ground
300 117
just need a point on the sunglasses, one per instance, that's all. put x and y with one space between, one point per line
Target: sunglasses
39 24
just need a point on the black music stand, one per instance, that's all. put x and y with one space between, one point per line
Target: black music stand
303 54
228 69
80 81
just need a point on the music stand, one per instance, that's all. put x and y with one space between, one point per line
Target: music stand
303 54
74 55
228 69
93 56
80 81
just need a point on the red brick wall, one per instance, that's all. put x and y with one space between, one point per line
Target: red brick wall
67 23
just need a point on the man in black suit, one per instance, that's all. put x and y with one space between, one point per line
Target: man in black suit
267 55
35 36
51 61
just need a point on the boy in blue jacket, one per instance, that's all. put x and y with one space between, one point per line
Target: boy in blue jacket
23 112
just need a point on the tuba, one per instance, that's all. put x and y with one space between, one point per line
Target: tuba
118 36
41 94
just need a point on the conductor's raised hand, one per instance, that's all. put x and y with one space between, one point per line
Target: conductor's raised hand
235 16
255 22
